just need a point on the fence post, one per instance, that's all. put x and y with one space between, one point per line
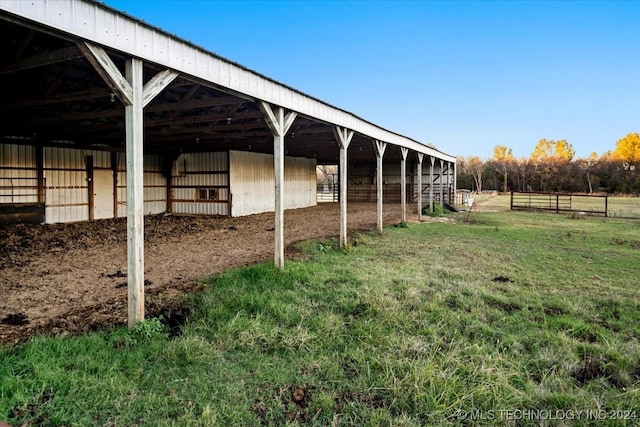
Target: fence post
511 202
606 206
557 203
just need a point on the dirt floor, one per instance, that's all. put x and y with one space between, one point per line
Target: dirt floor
71 278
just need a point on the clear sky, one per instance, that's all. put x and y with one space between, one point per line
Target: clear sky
464 76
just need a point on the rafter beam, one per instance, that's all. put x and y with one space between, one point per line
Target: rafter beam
42 59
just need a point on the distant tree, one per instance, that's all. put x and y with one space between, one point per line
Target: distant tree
588 164
504 156
525 173
628 148
549 156
550 150
475 166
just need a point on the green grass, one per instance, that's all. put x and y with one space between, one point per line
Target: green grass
509 311
618 207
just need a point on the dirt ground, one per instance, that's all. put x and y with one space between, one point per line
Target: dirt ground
71 278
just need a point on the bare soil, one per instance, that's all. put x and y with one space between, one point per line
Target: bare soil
71 278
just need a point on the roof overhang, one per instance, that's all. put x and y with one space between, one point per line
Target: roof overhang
212 105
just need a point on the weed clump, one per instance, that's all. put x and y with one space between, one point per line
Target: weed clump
438 211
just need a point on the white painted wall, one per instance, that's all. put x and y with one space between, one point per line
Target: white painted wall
18 175
66 186
252 183
155 193
192 171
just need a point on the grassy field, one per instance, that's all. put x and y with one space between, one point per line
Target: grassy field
618 207
512 318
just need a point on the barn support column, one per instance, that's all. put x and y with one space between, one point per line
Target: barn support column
419 185
343 137
441 183
403 182
279 124
379 148
40 173
135 192
455 183
135 95
431 182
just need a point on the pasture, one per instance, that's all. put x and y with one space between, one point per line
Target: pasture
511 318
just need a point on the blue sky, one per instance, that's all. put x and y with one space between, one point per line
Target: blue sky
464 76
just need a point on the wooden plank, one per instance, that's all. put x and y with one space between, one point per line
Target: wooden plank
16 213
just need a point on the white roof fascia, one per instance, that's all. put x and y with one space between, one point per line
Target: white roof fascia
100 24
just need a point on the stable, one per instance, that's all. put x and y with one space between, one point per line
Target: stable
106 116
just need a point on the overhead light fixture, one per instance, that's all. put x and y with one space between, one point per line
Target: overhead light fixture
112 97
229 120
197 140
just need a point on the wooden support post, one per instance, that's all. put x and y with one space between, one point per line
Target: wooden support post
114 182
419 174
135 95
135 192
433 159
279 124
441 183
455 183
403 182
40 173
90 187
379 148
343 137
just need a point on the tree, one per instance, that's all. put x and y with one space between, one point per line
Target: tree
550 150
475 166
588 165
504 156
628 148
549 156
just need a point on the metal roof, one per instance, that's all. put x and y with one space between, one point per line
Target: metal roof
52 95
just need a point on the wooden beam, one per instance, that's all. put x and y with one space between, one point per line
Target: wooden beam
109 72
433 159
441 183
379 148
58 99
343 137
279 123
403 182
157 84
43 59
419 185
135 192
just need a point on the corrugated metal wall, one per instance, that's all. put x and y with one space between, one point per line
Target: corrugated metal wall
66 187
200 183
252 183
18 174
155 185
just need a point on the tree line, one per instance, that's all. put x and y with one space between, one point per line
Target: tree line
552 168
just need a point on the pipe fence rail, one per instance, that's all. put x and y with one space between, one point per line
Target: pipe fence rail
591 204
